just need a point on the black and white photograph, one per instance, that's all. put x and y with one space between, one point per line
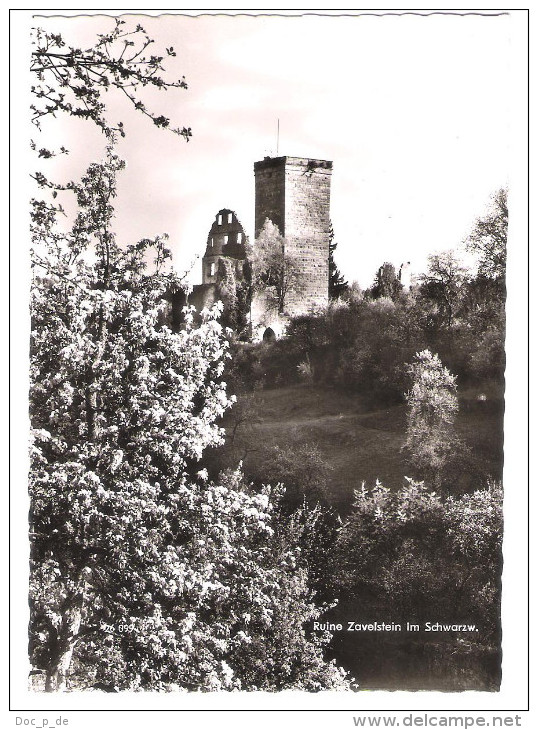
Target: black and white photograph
269 279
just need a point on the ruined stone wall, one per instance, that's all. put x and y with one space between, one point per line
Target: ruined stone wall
203 296
263 315
294 192
226 239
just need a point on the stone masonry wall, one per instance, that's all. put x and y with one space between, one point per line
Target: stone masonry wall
269 193
307 223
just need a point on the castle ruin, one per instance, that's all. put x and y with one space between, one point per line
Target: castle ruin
224 260
294 194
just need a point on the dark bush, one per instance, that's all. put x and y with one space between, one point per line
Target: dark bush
412 556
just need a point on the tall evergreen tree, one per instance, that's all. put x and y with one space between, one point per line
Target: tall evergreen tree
337 284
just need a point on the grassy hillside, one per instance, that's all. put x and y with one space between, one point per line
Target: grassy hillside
358 443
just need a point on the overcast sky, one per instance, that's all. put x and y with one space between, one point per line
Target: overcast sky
413 112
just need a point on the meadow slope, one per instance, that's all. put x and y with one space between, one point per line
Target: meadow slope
357 442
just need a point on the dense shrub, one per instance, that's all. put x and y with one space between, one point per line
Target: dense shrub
425 556
360 346
300 467
412 556
363 345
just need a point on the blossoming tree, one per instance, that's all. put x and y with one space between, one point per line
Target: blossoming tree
144 575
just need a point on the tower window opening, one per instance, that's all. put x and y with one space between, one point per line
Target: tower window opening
212 269
239 238
225 240
219 219
229 217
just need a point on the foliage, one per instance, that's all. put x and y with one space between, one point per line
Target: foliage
146 574
305 371
371 362
275 271
73 80
359 345
118 405
300 467
429 556
227 608
442 285
486 293
363 345
234 293
240 438
410 555
101 370
314 528
488 238
488 357
485 320
387 284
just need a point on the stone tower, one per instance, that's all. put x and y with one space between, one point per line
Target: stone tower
294 193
